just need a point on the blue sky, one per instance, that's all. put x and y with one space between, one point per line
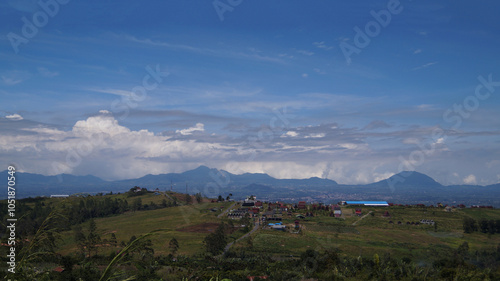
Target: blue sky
256 86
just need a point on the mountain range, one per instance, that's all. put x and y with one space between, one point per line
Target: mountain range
406 187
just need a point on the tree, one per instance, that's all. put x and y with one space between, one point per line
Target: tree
215 242
113 239
79 238
463 249
219 199
164 203
491 227
469 225
483 225
173 245
189 199
246 221
92 238
199 198
137 204
153 206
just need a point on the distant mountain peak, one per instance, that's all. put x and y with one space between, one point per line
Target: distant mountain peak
413 178
201 168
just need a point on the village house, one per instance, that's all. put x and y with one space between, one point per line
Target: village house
302 205
337 211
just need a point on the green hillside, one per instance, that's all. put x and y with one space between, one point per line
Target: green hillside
388 232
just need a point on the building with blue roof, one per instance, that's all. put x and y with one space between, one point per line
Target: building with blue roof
366 203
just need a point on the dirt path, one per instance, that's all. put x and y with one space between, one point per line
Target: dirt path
229 208
242 237
354 223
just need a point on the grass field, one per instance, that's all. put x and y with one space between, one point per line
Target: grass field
374 234
170 220
189 224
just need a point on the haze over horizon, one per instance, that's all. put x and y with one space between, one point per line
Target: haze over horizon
266 88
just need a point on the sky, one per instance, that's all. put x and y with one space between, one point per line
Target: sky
354 91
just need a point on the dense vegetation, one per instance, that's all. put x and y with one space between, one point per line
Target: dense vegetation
70 234
485 226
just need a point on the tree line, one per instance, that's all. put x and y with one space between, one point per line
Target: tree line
471 225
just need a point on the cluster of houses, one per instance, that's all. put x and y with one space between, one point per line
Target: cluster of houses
276 211
407 223
423 221
431 222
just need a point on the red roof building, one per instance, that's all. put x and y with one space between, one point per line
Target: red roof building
302 205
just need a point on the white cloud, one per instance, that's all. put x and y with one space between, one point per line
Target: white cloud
322 45
410 141
304 52
425 107
102 147
199 127
100 124
116 92
11 81
382 176
280 170
424 65
47 73
290 134
15 117
319 71
305 75
14 77
316 135
470 179
99 145
417 51
348 145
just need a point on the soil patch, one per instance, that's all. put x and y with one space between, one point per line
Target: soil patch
207 227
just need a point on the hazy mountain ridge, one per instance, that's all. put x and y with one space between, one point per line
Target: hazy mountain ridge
404 187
